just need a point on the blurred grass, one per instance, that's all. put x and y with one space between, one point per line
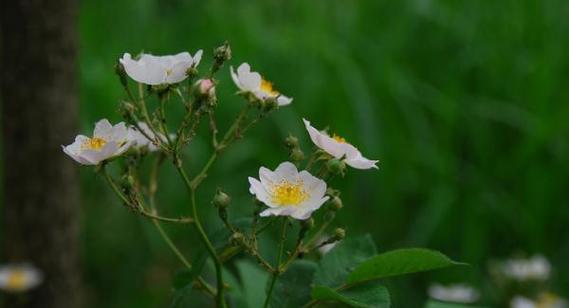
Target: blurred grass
464 103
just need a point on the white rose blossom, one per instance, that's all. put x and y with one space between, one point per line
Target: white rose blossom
19 277
339 148
288 192
455 293
158 70
534 268
252 82
139 140
107 142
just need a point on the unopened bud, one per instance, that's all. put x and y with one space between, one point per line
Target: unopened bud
204 90
236 238
336 166
221 200
291 142
119 70
339 234
336 203
296 154
222 53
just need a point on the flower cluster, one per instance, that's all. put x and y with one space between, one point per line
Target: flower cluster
294 190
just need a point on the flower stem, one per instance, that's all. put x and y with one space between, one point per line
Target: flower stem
277 270
204 238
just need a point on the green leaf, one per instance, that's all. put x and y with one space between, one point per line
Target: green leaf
189 298
336 265
363 296
437 304
254 283
292 289
399 262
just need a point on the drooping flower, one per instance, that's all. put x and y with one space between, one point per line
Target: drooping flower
534 268
456 293
157 70
139 140
338 147
108 141
288 192
252 82
19 277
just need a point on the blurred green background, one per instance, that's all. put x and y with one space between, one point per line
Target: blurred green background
463 102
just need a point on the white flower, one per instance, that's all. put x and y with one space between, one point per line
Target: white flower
157 70
288 192
522 302
456 293
338 147
138 139
19 277
535 268
252 82
108 141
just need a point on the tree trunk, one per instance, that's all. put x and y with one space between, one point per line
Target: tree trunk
39 109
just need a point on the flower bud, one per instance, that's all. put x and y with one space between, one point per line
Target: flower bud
204 89
336 166
119 70
222 53
291 142
336 203
339 234
221 200
236 238
296 155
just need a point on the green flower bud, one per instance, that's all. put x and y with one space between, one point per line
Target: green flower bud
291 142
336 166
237 239
221 200
119 70
336 203
339 234
296 154
222 53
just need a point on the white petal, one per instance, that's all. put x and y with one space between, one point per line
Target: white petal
362 163
178 72
286 171
260 192
197 58
284 100
235 78
103 129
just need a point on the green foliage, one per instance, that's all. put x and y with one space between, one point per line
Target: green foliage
399 262
253 282
438 304
292 290
363 296
334 267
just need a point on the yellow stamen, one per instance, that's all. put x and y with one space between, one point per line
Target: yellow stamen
16 280
267 87
94 143
287 193
338 138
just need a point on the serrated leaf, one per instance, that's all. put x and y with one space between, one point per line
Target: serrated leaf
399 262
336 265
292 289
369 295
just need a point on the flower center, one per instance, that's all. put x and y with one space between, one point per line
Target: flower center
338 138
287 193
16 280
94 143
267 87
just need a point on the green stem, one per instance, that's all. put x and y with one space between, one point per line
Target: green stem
204 238
277 271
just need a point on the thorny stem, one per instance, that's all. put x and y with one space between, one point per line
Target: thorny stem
278 269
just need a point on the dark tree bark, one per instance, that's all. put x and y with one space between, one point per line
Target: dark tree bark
39 114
